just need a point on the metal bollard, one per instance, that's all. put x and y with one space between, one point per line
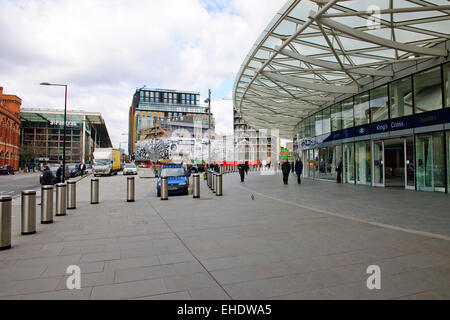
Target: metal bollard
214 182
61 197
47 204
71 194
5 222
164 188
219 190
130 189
209 179
28 212
196 187
94 191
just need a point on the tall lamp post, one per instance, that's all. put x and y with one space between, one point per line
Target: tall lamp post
208 101
65 120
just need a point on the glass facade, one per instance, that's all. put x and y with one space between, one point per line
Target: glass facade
347 113
427 90
400 93
363 163
336 117
430 170
42 137
412 159
361 109
379 104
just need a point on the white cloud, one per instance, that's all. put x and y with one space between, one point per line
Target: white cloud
104 49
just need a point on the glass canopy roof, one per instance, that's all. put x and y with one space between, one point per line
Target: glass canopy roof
314 52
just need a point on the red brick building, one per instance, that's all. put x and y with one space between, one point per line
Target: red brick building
9 129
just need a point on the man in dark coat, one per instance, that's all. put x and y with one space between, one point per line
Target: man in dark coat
59 175
299 169
241 168
246 167
339 171
47 176
285 169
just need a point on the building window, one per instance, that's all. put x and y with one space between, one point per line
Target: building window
318 123
347 113
336 117
379 104
326 124
400 94
427 90
362 111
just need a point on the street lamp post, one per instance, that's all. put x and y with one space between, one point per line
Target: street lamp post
208 101
65 120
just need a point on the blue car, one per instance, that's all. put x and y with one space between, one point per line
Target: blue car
177 179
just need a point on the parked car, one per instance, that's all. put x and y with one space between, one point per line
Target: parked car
130 168
177 179
6 170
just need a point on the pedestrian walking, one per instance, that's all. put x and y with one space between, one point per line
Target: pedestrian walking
339 171
241 168
299 169
246 167
285 169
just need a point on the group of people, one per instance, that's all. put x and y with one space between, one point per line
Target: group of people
296 168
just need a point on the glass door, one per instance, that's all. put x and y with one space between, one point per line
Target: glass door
378 163
349 162
409 164
424 149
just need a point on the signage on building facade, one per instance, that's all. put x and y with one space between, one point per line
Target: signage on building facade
60 123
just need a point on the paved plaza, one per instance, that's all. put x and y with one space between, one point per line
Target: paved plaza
309 241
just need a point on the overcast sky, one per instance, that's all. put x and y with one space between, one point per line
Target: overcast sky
105 49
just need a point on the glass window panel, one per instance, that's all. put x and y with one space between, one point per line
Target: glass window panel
336 117
361 107
349 162
362 161
326 121
400 94
347 113
427 90
430 172
318 123
446 69
379 104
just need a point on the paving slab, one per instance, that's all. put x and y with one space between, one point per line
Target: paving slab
309 241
